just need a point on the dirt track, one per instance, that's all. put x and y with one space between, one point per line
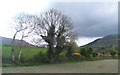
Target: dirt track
101 66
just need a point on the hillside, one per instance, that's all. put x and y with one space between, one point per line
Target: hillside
7 41
105 42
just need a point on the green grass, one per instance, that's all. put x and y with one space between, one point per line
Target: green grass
28 52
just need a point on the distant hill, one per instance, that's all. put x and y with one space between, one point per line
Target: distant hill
105 42
7 41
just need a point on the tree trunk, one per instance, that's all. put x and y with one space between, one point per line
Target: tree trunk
21 50
51 53
51 50
13 56
20 54
12 52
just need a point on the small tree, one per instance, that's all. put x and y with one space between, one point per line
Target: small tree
13 43
113 51
86 52
24 24
70 47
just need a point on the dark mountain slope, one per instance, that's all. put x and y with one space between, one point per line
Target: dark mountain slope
105 42
7 41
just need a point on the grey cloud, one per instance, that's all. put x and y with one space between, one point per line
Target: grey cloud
91 19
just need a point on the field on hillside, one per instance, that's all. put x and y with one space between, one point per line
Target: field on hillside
28 52
100 66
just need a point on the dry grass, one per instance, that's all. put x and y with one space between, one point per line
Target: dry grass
101 66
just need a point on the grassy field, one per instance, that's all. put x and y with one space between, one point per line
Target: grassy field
100 66
28 52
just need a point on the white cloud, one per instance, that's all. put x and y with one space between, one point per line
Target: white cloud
9 8
85 40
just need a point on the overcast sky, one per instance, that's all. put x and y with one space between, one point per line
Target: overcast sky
90 19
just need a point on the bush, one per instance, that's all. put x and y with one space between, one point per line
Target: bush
95 54
41 58
70 47
112 52
86 52
61 58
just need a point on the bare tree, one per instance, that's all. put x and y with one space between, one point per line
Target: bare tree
25 26
54 27
13 43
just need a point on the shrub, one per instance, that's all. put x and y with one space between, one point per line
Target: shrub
41 58
95 54
70 48
61 58
86 52
77 54
113 51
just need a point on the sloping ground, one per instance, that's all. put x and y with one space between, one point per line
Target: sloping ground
106 42
101 66
8 41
